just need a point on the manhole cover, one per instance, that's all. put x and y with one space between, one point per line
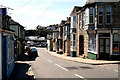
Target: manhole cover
85 67
71 68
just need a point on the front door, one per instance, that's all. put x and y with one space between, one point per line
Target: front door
104 48
81 45
68 48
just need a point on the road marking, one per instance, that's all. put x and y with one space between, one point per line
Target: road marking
49 61
116 70
43 57
46 59
61 67
80 76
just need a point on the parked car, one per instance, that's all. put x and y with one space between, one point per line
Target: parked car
41 45
32 53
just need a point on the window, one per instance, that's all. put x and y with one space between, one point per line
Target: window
92 42
86 16
71 38
100 15
91 15
68 33
10 50
71 43
61 32
74 40
80 20
116 43
83 20
53 34
74 21
108 14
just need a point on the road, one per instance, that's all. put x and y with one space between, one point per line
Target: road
48 66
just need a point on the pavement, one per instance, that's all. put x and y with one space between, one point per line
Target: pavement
22 69
81 60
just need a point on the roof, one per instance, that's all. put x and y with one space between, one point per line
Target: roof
12 22
75 9
93 1
62 22
68 20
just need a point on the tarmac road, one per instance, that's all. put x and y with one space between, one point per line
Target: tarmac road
47 66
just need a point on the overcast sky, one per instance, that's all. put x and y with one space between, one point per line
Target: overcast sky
31 13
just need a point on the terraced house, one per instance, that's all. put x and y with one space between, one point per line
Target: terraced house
66 37
55 39
73 16
98 29
19 36
60 36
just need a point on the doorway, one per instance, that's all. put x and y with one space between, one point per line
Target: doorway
81 45
104 48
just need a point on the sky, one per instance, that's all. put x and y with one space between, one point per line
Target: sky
31 13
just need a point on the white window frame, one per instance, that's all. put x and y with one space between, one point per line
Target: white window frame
80 21
87 16
83 19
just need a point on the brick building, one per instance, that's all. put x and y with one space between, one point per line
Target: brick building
98 29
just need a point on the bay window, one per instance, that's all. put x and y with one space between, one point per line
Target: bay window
74 21
83 20
86 16
91 15
80 20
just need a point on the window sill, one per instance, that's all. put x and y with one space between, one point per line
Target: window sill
93 52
